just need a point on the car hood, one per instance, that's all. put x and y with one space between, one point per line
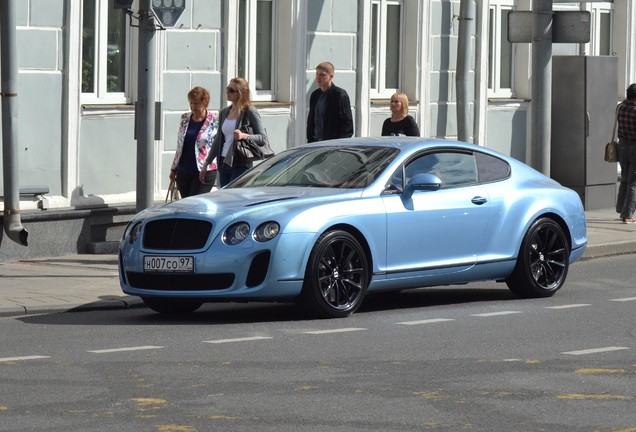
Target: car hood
233 201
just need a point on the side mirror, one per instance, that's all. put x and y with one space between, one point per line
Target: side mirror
421 182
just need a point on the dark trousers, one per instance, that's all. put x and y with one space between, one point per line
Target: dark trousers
626 199
228 173
190 185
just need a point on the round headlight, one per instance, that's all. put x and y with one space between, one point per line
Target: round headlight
236 233
266 231
134 233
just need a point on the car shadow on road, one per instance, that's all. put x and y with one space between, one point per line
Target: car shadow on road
245 313
430 297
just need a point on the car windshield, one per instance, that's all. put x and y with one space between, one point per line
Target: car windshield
320 166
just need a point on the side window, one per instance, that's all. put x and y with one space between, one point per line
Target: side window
104 52
256 42
500 53
386 28
454 169
491 169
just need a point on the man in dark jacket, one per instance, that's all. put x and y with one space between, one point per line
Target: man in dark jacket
329 108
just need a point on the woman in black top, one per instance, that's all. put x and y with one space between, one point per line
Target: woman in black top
400 123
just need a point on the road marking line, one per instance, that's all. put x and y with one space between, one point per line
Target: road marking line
342 330
595 350
34 357
568 306
577 396
244 339
600 371
114 350
492 314
426 321
626 299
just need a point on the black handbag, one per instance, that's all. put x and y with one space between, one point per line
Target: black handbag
247 150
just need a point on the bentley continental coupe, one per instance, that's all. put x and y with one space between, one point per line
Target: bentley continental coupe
327 223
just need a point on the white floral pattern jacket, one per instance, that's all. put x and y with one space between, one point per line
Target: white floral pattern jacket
204 141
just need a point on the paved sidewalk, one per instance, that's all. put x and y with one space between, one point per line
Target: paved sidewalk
87 282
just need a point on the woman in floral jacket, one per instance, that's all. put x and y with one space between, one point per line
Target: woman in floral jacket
194 141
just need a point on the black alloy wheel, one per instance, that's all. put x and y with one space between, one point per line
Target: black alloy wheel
543 261
337 276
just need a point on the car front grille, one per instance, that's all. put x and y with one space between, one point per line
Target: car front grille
176 234
180 282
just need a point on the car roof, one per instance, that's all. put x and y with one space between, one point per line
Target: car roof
401 142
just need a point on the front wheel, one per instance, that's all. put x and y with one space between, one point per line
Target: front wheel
172 306
337 276
543 261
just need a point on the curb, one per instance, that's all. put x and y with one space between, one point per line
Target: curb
607 250
113 304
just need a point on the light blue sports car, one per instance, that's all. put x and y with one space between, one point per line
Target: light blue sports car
326 223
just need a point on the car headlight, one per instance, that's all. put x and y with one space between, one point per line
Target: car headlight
236 233
266 231
134 233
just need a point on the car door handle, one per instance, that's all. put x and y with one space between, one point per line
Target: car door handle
479 200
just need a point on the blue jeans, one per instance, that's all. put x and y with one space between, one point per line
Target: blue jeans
626 199
228 173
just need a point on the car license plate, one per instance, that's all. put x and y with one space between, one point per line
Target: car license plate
169 264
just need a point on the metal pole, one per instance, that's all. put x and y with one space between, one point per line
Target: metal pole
145 113
541 85
464 56
10 161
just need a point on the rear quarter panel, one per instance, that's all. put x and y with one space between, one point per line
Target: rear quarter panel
521 200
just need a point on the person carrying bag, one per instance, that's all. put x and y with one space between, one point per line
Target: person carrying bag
626 198
234 120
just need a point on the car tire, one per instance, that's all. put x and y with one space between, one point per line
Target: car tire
543 261
172 306
337 276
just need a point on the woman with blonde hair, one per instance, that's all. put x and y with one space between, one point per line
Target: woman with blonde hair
400 123
239 121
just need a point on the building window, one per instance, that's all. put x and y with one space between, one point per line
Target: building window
500 54
104 52
256 39
602 29
385 59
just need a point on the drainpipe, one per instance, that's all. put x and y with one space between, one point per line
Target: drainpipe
464 57
8 91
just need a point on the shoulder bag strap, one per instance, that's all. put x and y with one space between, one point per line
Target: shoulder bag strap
616 122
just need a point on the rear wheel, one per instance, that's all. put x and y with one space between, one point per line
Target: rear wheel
337 276
172 306
543 261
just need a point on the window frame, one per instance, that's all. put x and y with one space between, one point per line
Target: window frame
100 93
598 10
379 89
495 29
247 25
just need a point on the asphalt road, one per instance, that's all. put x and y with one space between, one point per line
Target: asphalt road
469 358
